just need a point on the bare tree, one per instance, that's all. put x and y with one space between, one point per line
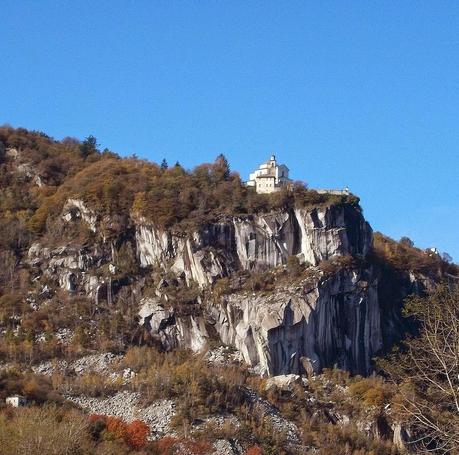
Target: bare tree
428 372
8 261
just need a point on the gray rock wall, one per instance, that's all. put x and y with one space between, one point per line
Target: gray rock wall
305 327
252 242
309 326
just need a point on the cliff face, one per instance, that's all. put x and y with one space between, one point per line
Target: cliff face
218 249
319 321
314 324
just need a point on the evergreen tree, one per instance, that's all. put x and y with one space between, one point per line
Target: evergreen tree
89 146
222 167
164 164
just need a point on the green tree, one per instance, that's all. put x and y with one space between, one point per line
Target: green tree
89 146
221 168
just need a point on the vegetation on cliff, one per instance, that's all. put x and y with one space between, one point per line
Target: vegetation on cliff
109 185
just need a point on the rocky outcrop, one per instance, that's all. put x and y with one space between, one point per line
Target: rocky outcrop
317 323
73 268
401 436
257 241
170 330
66 264
310 326
285 382
221 248
75 209
324 320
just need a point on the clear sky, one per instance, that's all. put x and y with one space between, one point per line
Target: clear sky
357 93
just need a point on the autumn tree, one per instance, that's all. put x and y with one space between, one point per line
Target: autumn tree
2 152
9 261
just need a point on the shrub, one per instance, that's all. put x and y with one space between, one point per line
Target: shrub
294 267
134 434
176 446
39 431
254 450
115 427
373 392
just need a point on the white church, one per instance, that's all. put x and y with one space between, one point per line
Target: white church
269 177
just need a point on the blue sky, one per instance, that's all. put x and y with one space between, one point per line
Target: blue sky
357 93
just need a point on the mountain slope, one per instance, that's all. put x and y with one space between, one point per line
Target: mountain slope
101 254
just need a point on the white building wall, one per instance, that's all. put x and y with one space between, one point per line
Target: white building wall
264 184
16 401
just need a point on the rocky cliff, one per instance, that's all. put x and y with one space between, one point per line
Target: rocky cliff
319 320
221 248
199 257
316 323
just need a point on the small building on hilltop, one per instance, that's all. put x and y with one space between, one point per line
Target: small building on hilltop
269 177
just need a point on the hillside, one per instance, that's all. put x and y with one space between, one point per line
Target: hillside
228 321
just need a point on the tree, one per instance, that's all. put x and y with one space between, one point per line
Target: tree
406 241
89 146
447 257
9 262
2 152
427 371
221 168
164 164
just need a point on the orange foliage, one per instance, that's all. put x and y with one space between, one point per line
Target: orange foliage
134 434
116 426
403 256
172 446
165 445
254 450
97 417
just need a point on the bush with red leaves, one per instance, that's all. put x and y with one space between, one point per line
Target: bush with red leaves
137 434
134 434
